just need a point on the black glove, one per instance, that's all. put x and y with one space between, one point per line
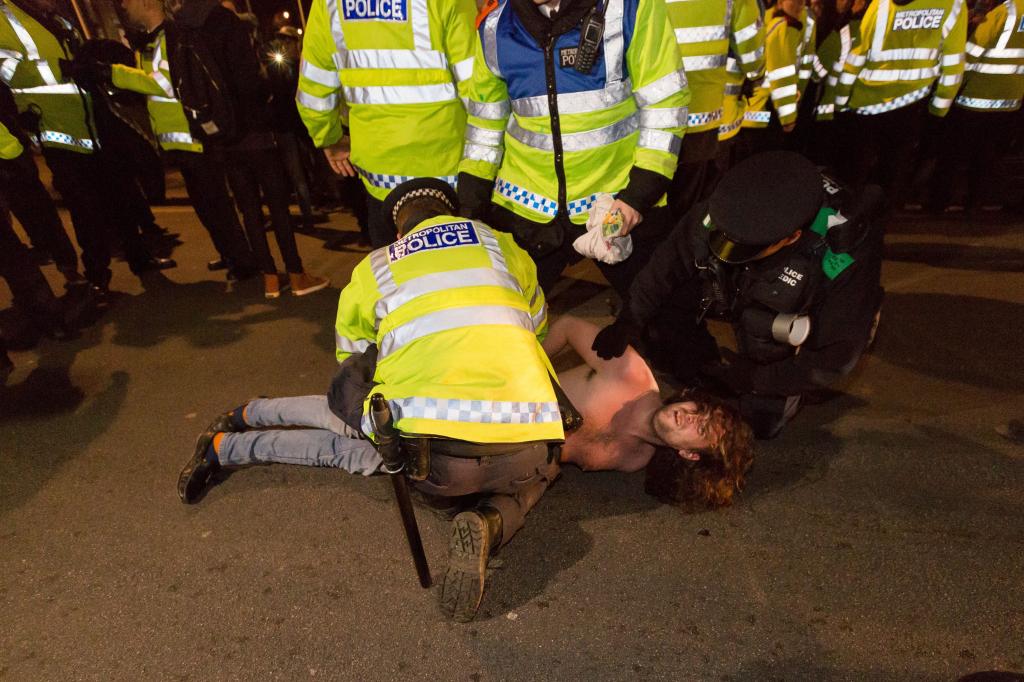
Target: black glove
611 341
737 372
87 74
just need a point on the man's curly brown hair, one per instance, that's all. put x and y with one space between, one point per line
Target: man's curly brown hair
711 481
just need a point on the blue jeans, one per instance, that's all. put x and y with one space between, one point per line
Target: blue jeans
327 442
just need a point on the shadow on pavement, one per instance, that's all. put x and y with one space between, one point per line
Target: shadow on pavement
770 670
955 224
206 316
971 340
957 256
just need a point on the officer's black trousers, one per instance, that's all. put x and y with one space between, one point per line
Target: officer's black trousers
253 172
206 183
32 205
29 287
82 183
886 144
380 231
694 173
973 143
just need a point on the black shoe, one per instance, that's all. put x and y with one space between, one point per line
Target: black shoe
152 264
197 471
468 551
214 265
6 367
240 273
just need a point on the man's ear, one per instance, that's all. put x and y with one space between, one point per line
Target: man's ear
690 455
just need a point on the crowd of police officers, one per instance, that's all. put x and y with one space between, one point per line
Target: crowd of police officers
688 112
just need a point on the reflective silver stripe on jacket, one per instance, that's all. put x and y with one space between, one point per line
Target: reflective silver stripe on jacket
443 281
453 318
395 59
484 136
950 80
889 75
905 53
55 89
614 43
490 39
64 138
420 17
162 100
952 59
700 34
659 140
941 102
902 101
703 63
659 89
576 102
470 411
786 71
747 32
785 91
400 94
328 103
1009 26
156 74
326 77
492 111
824 109
999 69
175 138
347 345
752 56
31 51
705 117
732 89
954 13
671 117
463 70
574 142
981 103
475 152
786 109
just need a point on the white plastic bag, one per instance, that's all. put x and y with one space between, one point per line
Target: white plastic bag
602 242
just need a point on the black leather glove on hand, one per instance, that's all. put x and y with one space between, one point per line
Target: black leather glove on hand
87 74
611 341
737 372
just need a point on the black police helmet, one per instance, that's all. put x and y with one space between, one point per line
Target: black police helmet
761 200
418 189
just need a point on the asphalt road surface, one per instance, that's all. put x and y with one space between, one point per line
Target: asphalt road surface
880 538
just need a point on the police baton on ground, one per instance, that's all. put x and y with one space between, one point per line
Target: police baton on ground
394 463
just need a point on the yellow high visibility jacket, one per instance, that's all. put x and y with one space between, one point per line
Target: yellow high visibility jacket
733 105
153 78
789 60
994 80
10 146
833 52
904 50
457 316
705 30
628 112
395 72
29 56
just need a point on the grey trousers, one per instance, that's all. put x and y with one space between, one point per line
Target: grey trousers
511 483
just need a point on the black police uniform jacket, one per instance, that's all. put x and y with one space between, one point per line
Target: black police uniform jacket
831 275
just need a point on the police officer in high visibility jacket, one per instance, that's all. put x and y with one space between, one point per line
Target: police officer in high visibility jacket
787 256
771 109
911 55
834 141
983 118
707 32
569 100
204 175
59 117
455 315
393 74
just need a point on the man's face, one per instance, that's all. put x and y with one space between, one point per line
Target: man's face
682 428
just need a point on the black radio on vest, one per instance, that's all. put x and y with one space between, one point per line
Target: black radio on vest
591 33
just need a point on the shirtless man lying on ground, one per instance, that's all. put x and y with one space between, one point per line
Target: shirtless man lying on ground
695 448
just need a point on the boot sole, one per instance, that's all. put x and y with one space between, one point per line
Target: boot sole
468 549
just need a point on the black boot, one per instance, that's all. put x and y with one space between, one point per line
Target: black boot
475 533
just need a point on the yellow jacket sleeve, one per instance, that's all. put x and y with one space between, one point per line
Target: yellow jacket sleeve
488 109
460 42
135 80
857 57
524 270
782 77
319 98
10 147
951 54
659 88
747 41
355 327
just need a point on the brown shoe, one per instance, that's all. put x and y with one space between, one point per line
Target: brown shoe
273 285
303 283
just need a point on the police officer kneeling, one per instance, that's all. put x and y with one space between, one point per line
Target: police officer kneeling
787 256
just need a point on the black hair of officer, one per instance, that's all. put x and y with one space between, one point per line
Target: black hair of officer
765 200
412 202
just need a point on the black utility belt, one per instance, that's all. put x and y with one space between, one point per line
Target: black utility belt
467 449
